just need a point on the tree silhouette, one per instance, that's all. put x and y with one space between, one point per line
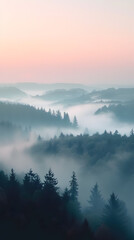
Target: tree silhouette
115 216
51 198
50 182
75 122
74 203
31 184
66 119
96 205
13 190
96 202
73 188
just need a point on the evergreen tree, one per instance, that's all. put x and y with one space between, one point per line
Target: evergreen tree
96 201
58 115
31 183
75 122
74 204
51 199
73 188
13 190
66 119
116 133
115 216
96 205
50 182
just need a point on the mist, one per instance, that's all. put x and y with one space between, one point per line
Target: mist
99 149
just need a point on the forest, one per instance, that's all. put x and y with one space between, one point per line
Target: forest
84 147
47 138
35 209
29 116
123 112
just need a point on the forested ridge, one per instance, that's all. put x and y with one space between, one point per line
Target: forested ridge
84 147
35 209
123 112
30 116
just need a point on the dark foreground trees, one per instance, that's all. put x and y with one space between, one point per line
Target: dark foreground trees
38 210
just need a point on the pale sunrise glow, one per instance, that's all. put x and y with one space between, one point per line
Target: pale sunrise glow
57 40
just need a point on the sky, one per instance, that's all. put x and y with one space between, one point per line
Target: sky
85 41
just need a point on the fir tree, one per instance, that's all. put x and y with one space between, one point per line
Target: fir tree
115 216
13 190
51 199
50 181
96 202
75 122
74 204
96 205
73 188
66 119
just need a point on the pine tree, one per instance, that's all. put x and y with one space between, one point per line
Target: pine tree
75 122
58 115
74 204
32 179
96 206
50 181
96 201
13 190
73 188
51 198
115 216
66 119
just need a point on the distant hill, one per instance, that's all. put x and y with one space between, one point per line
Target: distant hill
67 94
26 115
123 112
11 93
63 96
48 87
120 94
77 96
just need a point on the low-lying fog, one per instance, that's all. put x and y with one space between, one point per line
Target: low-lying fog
86 117
15 154
108 174
85 114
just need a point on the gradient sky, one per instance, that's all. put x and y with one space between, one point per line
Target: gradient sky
88 41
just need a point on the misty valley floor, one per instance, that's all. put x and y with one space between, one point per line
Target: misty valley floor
71 153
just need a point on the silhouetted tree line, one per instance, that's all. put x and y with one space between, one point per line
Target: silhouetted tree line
29 116
32 209
124 112
91 149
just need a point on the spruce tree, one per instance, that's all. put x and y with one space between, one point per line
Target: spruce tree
51 198
50 182
13 190
96 202
73 188
74 203
96 206
75 122
115 216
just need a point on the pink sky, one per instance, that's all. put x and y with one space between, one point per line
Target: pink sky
61 41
